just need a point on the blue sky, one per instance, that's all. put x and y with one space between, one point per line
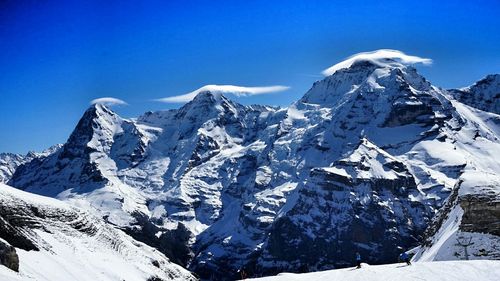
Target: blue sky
57 56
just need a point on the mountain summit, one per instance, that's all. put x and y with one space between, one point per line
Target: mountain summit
375 72
383 58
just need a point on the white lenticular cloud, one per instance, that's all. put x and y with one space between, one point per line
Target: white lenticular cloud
238 91
384 57
108 101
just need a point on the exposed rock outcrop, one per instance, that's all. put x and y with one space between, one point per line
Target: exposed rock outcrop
8 256
481 214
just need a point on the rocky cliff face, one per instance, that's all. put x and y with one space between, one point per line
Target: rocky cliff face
481 214
362 203
468 218
362 162
8 256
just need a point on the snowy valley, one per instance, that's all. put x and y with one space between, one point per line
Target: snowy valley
372 159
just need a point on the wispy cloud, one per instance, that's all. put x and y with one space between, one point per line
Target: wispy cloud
109 101
309 75
238 91
383 57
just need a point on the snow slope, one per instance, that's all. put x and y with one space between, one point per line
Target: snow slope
55 241
428 271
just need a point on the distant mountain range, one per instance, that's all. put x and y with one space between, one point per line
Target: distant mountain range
372 159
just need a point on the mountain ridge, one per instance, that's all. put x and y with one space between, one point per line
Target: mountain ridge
255 186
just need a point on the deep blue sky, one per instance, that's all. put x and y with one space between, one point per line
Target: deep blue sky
56 56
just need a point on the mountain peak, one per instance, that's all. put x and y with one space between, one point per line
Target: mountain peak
381 58
238 91
384 74
96 119
94 115
207 102
98 108
208 96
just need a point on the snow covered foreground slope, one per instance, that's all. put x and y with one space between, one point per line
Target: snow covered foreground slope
55 241
422 271
365 161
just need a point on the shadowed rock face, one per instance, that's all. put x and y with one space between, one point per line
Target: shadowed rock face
8 256
16 227
173 243
481 214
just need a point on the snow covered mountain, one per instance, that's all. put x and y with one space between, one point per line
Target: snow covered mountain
55 241
8 165
484 94
10 161
362 162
